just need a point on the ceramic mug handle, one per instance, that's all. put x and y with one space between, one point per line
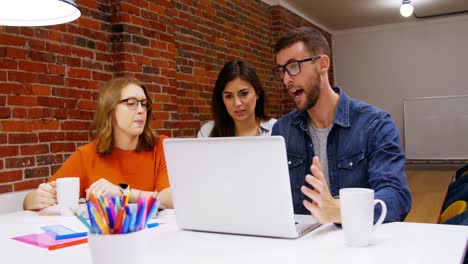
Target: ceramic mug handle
382 214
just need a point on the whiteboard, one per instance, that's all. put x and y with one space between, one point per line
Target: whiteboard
436 128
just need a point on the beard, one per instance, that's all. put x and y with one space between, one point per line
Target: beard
311 95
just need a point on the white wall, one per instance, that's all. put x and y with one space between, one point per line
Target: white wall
383 65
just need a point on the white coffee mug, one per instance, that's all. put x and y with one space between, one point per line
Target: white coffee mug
68 194
357 215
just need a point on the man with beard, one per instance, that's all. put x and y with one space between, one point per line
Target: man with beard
332 140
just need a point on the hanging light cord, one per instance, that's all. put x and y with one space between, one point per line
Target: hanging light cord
443 14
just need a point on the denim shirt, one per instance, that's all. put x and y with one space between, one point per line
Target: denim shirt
363 150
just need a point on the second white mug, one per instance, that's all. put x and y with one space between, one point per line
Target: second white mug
357 215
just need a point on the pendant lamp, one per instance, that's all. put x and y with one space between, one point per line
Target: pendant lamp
37 12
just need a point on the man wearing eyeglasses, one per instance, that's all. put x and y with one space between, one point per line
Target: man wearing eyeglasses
332 140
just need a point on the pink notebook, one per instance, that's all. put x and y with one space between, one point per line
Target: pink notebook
44 240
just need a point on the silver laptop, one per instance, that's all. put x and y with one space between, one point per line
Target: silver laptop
237 185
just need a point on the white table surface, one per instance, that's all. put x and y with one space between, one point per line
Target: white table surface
397 242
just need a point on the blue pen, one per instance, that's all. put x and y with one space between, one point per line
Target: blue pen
140 216
125 225
91 216
110 217
131 226
151 225
151 212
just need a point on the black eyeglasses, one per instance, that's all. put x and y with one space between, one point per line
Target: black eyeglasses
132 103
292 68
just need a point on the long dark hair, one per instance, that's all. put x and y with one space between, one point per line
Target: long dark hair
223 122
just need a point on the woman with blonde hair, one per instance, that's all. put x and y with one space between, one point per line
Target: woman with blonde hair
127 155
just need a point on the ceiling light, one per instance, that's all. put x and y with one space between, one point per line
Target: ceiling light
406 9
37 12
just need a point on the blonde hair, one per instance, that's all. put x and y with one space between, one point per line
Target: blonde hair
109 96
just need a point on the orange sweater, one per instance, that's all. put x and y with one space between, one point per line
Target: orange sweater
145 170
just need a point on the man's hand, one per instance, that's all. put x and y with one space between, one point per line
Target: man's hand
324 208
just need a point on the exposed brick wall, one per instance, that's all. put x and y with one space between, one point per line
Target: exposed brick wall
50 76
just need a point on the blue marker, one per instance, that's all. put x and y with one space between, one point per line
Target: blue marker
110 217
91 216
125 225
140 216
151 212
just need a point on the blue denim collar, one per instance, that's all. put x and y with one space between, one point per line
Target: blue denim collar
300 118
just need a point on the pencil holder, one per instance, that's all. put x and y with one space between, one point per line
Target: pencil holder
118 248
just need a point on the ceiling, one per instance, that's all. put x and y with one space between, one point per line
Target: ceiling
337 15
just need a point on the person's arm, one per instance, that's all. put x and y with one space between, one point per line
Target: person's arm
386 162
164 196
44 196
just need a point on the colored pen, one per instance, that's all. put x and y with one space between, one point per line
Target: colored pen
83 220
131 226
151 212
110 217
141 219
91 216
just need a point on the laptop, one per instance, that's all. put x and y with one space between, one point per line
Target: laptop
235 185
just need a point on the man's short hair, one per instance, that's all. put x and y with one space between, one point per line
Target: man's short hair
313 39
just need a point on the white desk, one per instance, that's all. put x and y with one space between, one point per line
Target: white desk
393 243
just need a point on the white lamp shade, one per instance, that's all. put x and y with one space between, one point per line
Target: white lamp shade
406 10
37 12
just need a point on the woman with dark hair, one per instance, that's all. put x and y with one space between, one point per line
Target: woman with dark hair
238 104
127 155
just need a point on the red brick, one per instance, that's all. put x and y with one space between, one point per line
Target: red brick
8 151
6 188
11 40
38 125
42 160
56 69
20 126
38 89
36 172
19 162
28 150
62 147
82 53
51 136
77 136
79 73
20 113
23 77
31 66
75 125
15 53
22 100
86 104
5 112
89 23
27 185
51 79
11 176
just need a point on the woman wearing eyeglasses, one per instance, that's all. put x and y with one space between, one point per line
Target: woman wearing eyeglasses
127 155
238 104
